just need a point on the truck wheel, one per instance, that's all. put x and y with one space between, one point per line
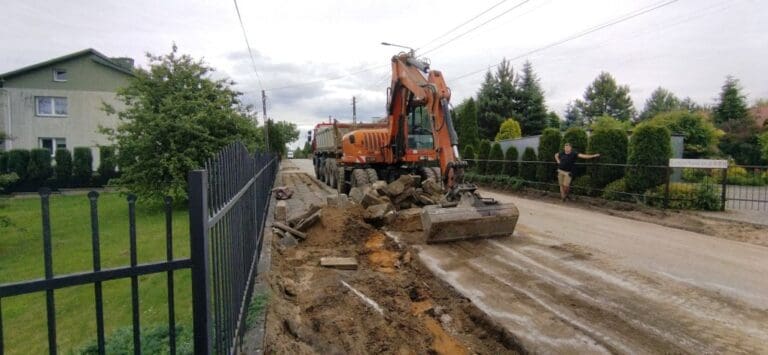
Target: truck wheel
372 176
321 170
328 175
317 170
427 173
332 174
359 177
341 181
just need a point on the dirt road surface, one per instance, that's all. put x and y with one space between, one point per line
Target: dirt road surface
572 280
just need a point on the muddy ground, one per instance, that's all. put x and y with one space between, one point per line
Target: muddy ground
390 304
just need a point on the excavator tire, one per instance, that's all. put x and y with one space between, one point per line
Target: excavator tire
372 175
359 177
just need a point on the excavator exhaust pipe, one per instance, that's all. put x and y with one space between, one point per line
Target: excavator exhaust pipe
445 224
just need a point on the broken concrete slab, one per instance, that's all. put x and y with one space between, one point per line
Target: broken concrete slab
310 211
332 200
378 212
285 228
369 199
339 262
305 223
431 187
281 211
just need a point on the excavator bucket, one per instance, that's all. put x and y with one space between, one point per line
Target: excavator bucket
444 224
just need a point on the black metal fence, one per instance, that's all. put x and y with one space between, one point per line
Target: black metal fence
227 210
747 188
665 187
228 206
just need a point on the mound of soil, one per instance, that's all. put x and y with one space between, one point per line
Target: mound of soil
390 304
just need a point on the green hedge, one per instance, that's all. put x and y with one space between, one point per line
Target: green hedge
107 168
63 168
39 169
649 146
484 151
582 185
528 170
685 196
82 167
469 153
611 144
3 162
549 145
617 191
495 167
511 167
18 160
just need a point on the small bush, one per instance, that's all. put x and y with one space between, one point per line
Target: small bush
82 166
684 196
469 154
611 144
511 167
649 146
549 145
694 175
495 167
63 170
527 166
18 160
484 150
7 180
617 191
582 185
154 340
107 168
39 168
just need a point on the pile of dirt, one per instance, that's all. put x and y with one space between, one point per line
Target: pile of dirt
390 304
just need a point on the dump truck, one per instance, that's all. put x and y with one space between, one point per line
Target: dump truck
416 138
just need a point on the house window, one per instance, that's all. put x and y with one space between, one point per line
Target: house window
59 75
52 144
51 106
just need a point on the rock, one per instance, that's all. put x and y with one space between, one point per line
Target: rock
404 196
424 199
390 216
282 192
356 195
379 186
332 200
369 199
406 258
432 187
289 287
288 240
378 212
281 211
446 319
395 188
343 200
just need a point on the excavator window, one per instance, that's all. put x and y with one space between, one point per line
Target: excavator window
419 129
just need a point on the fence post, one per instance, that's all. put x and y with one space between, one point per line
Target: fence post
199 250
725 184
666 187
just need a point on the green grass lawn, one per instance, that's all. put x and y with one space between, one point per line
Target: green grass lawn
21 258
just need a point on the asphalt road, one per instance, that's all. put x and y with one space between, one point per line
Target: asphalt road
572 280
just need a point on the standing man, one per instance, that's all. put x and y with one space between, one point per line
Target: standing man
566 165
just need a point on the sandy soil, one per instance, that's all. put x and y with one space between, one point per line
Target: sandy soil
576 279
391 304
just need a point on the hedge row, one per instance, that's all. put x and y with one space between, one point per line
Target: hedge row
35 168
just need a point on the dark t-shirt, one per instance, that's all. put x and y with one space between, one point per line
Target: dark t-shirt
567 161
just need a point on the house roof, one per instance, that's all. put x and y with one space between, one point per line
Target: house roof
97 57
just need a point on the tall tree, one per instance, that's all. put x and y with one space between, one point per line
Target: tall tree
553 120
175 118
467 126
495 100
573 116
732 104
529 102
661 100
606 98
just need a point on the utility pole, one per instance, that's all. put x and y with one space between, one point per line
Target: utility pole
266 121
354 111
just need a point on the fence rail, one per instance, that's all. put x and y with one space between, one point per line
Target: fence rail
228 203
739 187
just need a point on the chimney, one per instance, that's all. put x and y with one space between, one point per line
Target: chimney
123 62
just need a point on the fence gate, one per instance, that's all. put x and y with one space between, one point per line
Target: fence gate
228 206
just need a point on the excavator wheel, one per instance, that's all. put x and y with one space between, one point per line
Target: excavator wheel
372 175
359 177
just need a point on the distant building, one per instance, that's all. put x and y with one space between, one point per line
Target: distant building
58 103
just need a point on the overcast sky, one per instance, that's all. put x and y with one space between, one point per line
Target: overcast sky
688 47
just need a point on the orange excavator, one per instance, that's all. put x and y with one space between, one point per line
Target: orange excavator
419 138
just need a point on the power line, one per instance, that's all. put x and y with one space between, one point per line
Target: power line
478 26
248 44
623 18
462 24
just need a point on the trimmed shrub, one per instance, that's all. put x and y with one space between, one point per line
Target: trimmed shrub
107 168
18 160
582 185
484 151
82 166
63 168
549 145
511 166
694 175
495 167
649 146
39 168
528 169
509 129
617 191
3 162
7 180
683 196
468 154
611 144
